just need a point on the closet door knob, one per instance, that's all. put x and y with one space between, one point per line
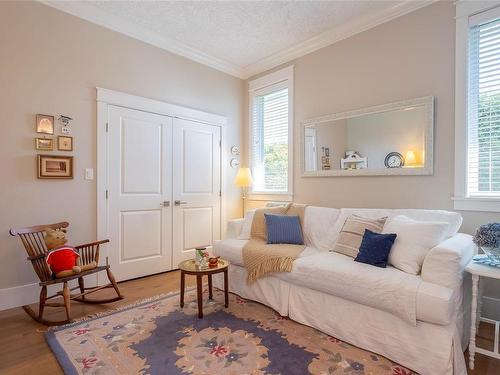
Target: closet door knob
165 204
178 203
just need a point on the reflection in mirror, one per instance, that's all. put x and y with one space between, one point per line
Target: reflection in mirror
379 140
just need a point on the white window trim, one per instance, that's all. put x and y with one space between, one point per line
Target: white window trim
282 75
464 10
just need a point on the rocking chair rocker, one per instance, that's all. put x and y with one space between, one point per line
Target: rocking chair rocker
32 239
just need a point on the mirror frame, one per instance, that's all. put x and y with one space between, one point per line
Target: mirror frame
428 167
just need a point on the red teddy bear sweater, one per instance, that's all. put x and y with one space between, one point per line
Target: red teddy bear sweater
62 259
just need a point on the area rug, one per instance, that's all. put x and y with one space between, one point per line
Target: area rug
157 337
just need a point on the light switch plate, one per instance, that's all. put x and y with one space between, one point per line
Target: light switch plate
89 173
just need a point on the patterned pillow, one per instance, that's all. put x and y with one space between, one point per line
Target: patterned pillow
351 234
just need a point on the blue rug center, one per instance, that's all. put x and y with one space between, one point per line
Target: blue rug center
220 341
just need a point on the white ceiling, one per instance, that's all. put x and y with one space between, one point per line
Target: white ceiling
241 38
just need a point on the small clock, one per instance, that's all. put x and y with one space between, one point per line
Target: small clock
394 160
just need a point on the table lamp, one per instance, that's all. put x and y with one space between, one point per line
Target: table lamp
243 180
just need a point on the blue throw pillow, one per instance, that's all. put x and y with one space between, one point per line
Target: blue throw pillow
375 248
283 229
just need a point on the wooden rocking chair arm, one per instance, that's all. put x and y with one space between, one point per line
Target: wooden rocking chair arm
90 244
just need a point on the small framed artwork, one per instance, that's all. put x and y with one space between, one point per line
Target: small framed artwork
65 130
45 144
50 166
64 143
44 124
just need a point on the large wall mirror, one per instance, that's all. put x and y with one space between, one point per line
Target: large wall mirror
390 139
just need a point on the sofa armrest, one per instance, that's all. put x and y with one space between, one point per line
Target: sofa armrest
445 263
234 228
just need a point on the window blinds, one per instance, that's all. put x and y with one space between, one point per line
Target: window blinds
484 110
269 152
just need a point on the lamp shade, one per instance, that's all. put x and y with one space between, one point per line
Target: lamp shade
410 158
243 178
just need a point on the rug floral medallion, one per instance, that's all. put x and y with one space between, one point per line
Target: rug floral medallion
158 337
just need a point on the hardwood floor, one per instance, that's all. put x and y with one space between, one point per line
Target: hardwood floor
23 349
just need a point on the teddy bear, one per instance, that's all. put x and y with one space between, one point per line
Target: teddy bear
63 260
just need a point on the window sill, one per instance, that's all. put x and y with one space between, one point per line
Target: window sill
278 197
483 204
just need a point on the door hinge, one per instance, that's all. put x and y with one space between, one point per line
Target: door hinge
106 194
220 193
107 126
220 143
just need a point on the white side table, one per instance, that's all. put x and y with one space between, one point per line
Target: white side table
478 270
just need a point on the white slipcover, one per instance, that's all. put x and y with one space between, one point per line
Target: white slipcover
325 290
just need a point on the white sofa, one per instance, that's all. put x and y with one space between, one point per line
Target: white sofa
419 321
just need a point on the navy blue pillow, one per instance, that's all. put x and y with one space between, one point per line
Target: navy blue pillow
283 229
375 248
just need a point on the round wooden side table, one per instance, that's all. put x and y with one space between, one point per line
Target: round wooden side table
188 267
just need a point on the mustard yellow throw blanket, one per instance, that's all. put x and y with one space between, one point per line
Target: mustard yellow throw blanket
261 259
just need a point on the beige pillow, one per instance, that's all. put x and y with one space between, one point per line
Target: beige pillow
259 221
351 234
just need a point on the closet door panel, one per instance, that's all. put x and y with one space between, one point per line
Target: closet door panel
139 182
196 187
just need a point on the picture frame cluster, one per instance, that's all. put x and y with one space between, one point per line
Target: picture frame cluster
53 166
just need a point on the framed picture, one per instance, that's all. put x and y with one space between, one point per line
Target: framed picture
44 124
50 166
64 143
45 144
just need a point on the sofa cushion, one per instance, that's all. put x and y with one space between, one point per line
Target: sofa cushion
247 225
413 242
453 219
231 249
283 229
318 224
375 248
323 271
351 234
258 229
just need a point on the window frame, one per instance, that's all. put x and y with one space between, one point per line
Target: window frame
465 10
274 81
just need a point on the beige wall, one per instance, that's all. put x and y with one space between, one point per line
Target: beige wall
409 57
51 62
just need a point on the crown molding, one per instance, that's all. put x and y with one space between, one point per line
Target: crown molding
336 34
99 17
88 12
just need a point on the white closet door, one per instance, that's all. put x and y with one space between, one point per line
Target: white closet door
196 187
139 192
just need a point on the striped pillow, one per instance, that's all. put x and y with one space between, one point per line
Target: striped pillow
351 234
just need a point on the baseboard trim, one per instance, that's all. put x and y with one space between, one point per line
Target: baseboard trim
30 293
19 296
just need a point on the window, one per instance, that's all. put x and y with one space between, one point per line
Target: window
270 132
477 106
483 177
